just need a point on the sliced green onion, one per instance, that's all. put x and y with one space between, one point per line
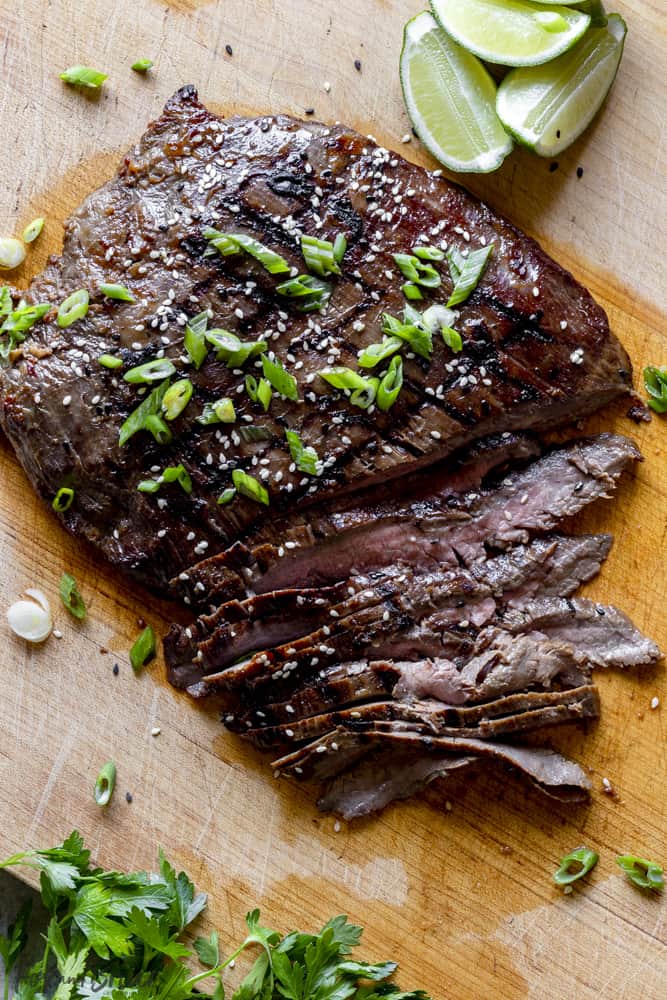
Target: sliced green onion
151 371
143 650
365 397
220 412
71 598
417 271
12 253
250 487
224 341
419 339
411 291
343 378
232 243
305 458
339 248
63 499
146 418
375 353
390 384
452 338
259 392
17 323
281 380
110 361
176 398
250 433
105 784
643 873
307 291
575 865
248 349
469 275
142 65
118 292
172 474
455 262
319 256
6 301
32 230
83 76
227 496
655 383
428 253
195 339
73 308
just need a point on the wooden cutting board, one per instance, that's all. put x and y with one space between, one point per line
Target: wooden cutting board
462 893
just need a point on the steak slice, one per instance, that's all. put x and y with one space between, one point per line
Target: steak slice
432 526
537 350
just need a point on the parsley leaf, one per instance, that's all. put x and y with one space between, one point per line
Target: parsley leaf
186 906
92 913
12 945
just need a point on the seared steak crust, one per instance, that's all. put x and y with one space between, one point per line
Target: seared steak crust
537 349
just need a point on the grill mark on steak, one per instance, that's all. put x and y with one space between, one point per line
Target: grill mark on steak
167 189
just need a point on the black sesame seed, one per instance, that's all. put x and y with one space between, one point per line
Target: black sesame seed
309 111
116 670
128 796
580 172
229 50
357 65
558 134
553 167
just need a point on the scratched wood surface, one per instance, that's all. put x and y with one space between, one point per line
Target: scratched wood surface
462 894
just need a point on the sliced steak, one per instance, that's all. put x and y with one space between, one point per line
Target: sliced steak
537 350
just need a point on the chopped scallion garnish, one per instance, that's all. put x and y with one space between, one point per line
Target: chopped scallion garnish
248 349
63 499
250 487
259 392
339 248
17 323
343 378
419 338
391 384
643 873
229 244
439 317
32 230
282 381
452 338
195 339
143 650
429 253
6 302
147 417
307 292
466 273
417 271
575 865
176 398
105 784
375 353
227 496
110 361
220 412
118 292
151 371
71 598
172 474
411 291
305 458
655 383
73 308
142 65
320 256
83 76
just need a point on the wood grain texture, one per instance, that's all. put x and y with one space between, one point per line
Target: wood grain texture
463 895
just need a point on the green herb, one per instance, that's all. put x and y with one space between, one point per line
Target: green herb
411 291
176 398
6 302
195 339
12 253
390 385
307 292
362 390
74 307
143 650
32 230
227 496
417 271
119 936
419 338
655 382
259 392
281 380
339 248
142 65
229 244
452 338
71 597
220 412
375 353
248 349
105 784
305 458
83 76
152 371
147 417
643 873
250 487
224 341
17 323
110 361
63 499
321 255
575 865
13 944
429 253
172 474
117 292
466 272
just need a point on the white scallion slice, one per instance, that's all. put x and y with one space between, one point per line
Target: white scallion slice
31 619
511 32
450 98
32 230
12 253
547 107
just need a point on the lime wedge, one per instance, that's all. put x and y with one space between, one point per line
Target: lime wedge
547 107
451 100
511 32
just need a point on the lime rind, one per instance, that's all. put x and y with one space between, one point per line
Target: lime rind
507 32
451 100
546 108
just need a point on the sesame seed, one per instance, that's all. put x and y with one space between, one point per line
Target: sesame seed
67 400
655 701
156 731
536 291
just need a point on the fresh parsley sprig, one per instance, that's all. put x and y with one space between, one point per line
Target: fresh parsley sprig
114 936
